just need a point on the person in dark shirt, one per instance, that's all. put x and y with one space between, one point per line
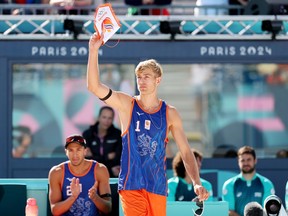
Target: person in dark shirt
254 209
72 7
235 11
145 11
104 142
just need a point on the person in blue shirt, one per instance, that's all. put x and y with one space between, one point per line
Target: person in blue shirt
146 120
79 186
180 187
248 186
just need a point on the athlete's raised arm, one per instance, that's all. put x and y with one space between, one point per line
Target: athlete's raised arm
116 99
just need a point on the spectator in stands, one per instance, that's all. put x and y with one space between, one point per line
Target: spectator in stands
180 187
70 6
79 186
248 186
225 151
282 153
211 7
21 11
236 11
153 11
5 11
104 142
254 209
22 139
58 151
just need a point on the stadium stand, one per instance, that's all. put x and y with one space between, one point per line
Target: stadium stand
50 26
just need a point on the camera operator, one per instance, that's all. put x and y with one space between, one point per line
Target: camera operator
254 209
274 206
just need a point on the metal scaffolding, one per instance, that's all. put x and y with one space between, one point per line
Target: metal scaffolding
185 27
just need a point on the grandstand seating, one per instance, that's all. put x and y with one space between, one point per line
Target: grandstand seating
13 198
147 27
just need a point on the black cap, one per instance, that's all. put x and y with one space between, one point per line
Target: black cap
75 139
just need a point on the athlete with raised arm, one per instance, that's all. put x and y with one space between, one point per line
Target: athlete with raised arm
146 122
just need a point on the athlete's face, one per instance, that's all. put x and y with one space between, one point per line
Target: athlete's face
75 153
147 81
247 163
105 119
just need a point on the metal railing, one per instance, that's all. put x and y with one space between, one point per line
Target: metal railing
181 27
120 9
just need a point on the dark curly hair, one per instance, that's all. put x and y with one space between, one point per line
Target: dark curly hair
178 165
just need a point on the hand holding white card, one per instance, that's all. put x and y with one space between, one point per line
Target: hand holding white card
105 20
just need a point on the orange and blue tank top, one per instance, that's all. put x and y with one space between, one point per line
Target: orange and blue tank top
83 206
143 161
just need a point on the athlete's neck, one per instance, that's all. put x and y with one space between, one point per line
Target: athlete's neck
148 103
80 168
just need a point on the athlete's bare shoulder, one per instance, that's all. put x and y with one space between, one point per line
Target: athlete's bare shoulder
57 169
120 100
172 110
101 171
173 115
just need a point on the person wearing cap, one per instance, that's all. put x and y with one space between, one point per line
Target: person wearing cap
79 186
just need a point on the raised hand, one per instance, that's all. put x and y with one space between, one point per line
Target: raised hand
75 187
96 41
93 191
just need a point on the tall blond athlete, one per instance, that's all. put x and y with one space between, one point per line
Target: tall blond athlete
145 123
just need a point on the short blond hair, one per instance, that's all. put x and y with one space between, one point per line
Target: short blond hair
149 64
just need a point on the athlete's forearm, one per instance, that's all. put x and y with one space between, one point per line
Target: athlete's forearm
191 168
93 71
104 205
63 206
93 78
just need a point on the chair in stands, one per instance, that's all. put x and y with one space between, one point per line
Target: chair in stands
115 199
225 151
13 199
49 213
